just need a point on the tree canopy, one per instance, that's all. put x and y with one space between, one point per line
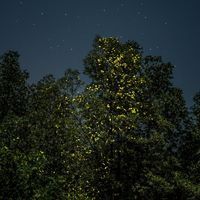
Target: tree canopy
127 134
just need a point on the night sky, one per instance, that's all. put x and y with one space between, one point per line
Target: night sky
53 35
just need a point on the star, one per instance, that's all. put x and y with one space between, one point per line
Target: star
69 50
150 49
42 13
21 3
17 20
142 4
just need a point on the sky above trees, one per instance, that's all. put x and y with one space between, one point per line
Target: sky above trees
52 36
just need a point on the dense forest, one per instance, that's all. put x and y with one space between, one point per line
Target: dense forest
125 135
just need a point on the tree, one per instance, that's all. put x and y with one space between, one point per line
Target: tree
40 150
164 111
54 132
112 116
191 146
160 94
13 105
134 127
13 85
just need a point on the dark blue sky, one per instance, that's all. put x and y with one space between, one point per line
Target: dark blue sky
52 36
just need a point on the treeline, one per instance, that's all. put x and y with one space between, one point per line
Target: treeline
126 135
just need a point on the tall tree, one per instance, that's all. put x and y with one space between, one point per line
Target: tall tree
13 105
191 144
13 85
134 126
53 132
40 150
112 113
160 94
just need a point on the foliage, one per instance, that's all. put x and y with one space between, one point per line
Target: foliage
13 91
125 135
